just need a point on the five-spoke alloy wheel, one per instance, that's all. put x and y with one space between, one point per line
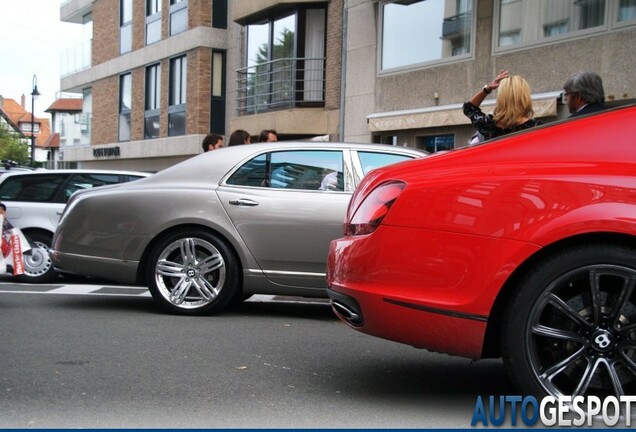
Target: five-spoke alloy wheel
192 272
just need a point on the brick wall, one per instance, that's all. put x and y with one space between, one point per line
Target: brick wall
106 91
198 97
137 113
105 31
139 24
199 13
106 112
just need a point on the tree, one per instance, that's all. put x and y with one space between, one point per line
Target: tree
12 147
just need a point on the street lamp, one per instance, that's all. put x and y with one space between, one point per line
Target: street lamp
34 95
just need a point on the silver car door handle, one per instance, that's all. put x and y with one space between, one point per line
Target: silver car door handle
243 202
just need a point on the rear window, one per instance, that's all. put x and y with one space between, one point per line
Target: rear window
35 188
54 187
373 160
89 181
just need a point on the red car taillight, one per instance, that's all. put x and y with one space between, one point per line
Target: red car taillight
373 208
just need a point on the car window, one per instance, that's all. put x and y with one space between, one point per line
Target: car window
297 169
36 188
307 170
372 160
252 173
89 181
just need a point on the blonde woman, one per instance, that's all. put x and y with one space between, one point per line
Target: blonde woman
513 110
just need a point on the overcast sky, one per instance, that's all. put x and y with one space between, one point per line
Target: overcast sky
32 38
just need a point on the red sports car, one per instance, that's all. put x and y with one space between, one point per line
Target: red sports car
523 247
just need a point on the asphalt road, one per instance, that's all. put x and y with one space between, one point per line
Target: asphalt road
88 356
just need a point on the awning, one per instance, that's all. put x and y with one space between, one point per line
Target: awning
544 105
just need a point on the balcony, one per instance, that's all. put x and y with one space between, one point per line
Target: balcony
75 59
74 11
280 84
456 25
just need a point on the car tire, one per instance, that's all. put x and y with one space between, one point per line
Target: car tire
193 272
38 267
570 328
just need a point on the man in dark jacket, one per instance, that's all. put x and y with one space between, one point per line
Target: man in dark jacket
584 93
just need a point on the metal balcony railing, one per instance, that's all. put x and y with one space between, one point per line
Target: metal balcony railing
280 84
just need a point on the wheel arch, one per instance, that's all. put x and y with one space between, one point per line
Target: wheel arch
143 262
30 231
492 340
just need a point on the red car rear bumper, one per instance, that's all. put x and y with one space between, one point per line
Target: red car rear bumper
422 288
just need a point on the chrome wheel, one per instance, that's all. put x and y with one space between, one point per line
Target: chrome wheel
192 272
582 333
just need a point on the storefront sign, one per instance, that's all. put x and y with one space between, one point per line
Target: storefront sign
106 151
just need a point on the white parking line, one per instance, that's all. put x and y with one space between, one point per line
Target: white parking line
131 291
74 289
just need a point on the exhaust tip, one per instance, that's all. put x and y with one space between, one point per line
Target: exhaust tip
347 314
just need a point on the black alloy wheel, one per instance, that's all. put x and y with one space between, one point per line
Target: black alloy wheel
570 330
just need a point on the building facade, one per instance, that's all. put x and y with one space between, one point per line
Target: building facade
412 64
163 73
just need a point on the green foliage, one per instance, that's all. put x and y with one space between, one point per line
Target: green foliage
12 147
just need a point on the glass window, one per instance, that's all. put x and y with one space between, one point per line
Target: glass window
86 116
435 143
285 63
529 22
125 103
177 96
36 188
88 181
178 74
427 31
252 173
219 14
178 16
125 26
300 170
373 160
627 10
153 101
153 21
217 99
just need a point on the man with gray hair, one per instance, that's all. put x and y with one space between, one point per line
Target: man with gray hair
584 93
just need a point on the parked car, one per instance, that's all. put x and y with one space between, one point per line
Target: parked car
240 220
35 200
7 166
523 248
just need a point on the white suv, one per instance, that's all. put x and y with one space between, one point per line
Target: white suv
35 201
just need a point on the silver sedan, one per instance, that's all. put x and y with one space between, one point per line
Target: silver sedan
221 226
